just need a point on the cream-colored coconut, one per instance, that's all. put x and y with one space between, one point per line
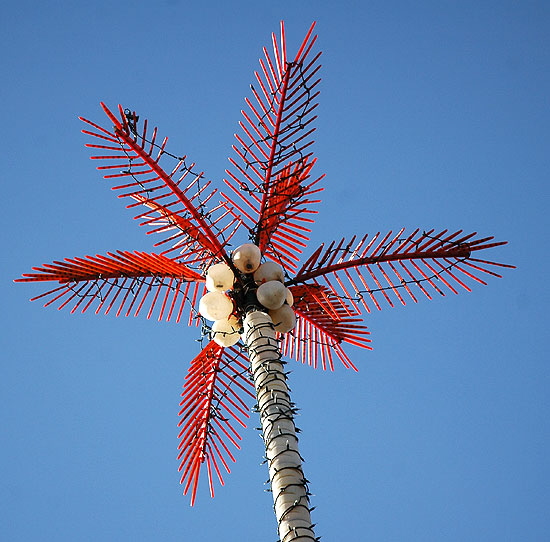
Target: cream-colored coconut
226 332
283 318
219 277
271 294
215 306
247 258
269 271
289 298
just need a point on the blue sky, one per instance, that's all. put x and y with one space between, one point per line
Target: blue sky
431 116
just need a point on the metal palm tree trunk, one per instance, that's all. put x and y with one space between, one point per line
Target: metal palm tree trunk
276 410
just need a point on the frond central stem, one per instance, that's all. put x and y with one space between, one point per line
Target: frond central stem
216 247
276 130
456 252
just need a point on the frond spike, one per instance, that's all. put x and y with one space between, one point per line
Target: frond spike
285 99
427 257
138 157
206 412
102 279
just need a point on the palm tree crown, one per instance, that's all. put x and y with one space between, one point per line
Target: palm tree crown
268 202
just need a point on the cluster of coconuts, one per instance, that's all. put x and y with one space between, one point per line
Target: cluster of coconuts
267 279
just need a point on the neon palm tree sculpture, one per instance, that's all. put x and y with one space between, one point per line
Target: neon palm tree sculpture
261 311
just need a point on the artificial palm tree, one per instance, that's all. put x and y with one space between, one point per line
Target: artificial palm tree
263 303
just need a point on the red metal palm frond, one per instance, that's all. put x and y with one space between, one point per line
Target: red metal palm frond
276 130
211 404
324 321
121 281
284 233
175 201
385 267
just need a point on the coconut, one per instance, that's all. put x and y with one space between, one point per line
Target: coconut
289 298
247 258
271 294
215 306
226 332
269 271
283 318
219 277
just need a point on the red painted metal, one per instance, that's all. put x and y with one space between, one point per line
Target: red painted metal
271 192
275 163
212 400
329 317
158 190
421 250
102 279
